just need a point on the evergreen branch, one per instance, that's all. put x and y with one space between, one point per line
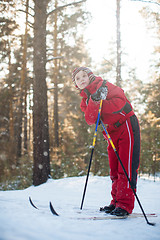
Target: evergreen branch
61 7
146 1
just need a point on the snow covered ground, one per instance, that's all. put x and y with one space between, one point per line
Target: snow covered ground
20 221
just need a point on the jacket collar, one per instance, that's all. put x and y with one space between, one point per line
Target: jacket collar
92 87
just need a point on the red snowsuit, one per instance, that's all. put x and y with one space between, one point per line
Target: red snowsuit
123 127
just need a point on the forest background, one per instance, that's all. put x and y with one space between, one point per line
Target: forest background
43 133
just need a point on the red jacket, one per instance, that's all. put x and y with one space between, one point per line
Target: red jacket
115 109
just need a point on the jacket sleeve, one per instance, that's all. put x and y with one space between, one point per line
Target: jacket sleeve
90 110
115 100
113 104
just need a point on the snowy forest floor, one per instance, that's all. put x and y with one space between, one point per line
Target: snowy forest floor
20 221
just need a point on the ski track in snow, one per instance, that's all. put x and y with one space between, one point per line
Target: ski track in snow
20 221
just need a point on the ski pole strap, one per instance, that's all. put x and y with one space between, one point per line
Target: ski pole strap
98 119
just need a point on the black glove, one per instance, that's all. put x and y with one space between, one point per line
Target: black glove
88 95
101 93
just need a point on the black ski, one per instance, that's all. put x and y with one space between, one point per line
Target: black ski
52 209
50 205
30 200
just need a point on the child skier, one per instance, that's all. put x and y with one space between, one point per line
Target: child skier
123 127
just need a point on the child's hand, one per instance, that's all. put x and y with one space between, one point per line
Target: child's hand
101 93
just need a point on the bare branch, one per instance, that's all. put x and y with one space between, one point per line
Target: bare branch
61 7
20 10
146 1
112 64
49 49
58 57
29 7
30 24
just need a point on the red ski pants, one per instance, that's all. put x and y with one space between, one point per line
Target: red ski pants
126 139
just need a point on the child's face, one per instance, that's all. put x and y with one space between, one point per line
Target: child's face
82 79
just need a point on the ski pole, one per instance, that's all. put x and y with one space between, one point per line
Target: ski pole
135 194
93 145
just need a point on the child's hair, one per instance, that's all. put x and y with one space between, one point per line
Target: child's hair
85 69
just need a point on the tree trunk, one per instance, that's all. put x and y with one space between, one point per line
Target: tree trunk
41 169
11 149
56 127
23 96
24 75
118 68
11 123
20 116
